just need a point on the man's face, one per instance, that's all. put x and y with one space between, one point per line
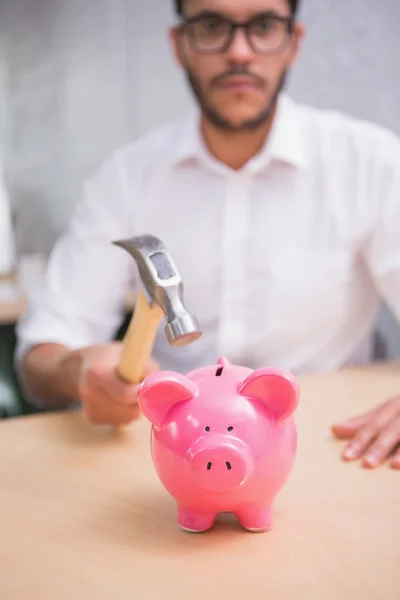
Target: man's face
236 85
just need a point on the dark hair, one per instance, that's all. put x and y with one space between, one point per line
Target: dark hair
294 4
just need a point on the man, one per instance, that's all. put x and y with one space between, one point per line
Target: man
283 221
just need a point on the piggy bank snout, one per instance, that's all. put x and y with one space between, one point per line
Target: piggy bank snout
220 464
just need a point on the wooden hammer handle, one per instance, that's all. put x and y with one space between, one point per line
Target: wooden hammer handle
138 340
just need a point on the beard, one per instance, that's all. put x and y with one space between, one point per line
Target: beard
217 119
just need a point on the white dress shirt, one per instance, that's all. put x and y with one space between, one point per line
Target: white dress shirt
283 262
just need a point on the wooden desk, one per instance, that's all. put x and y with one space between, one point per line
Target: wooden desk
84 516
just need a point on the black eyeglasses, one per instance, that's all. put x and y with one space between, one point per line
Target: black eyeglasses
210 33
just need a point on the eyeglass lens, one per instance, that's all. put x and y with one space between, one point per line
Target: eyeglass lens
214 34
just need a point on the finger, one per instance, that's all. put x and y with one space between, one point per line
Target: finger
116 415
106 381
359 443
348 428
396 460
102 409
384 445
367 434
122 391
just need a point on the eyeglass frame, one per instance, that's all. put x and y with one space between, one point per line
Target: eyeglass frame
234 26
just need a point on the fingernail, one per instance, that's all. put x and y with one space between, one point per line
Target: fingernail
336 428
371 461
352 452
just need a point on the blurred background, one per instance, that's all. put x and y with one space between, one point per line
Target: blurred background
81 77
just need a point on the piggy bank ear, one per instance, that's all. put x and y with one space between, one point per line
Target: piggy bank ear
160 391
277 389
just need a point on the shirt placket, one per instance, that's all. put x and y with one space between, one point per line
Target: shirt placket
232 334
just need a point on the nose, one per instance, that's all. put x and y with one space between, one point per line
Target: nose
220 466
227 463
240 49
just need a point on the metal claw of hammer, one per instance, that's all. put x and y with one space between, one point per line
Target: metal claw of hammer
164 287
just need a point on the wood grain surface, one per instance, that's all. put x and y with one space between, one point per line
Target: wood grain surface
83 515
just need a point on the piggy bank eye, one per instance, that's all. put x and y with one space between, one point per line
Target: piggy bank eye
207 428
230 428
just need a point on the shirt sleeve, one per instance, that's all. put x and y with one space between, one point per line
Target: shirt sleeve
382 250
87 278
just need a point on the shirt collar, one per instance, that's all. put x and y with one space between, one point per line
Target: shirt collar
285 143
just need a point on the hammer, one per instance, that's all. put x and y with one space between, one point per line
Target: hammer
164 288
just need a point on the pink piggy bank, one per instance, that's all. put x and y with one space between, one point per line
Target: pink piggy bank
223 439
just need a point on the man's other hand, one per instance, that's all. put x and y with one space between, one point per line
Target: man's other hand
374 436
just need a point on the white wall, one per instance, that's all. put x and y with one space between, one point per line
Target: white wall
351 58
64 99
80 78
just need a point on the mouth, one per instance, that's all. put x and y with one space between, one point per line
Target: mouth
240 83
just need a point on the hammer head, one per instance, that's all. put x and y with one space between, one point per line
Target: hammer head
164 286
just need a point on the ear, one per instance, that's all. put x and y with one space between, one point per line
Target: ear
298 36
160 391
175 41
278 390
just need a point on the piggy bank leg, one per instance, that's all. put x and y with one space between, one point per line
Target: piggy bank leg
256 519
195 521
